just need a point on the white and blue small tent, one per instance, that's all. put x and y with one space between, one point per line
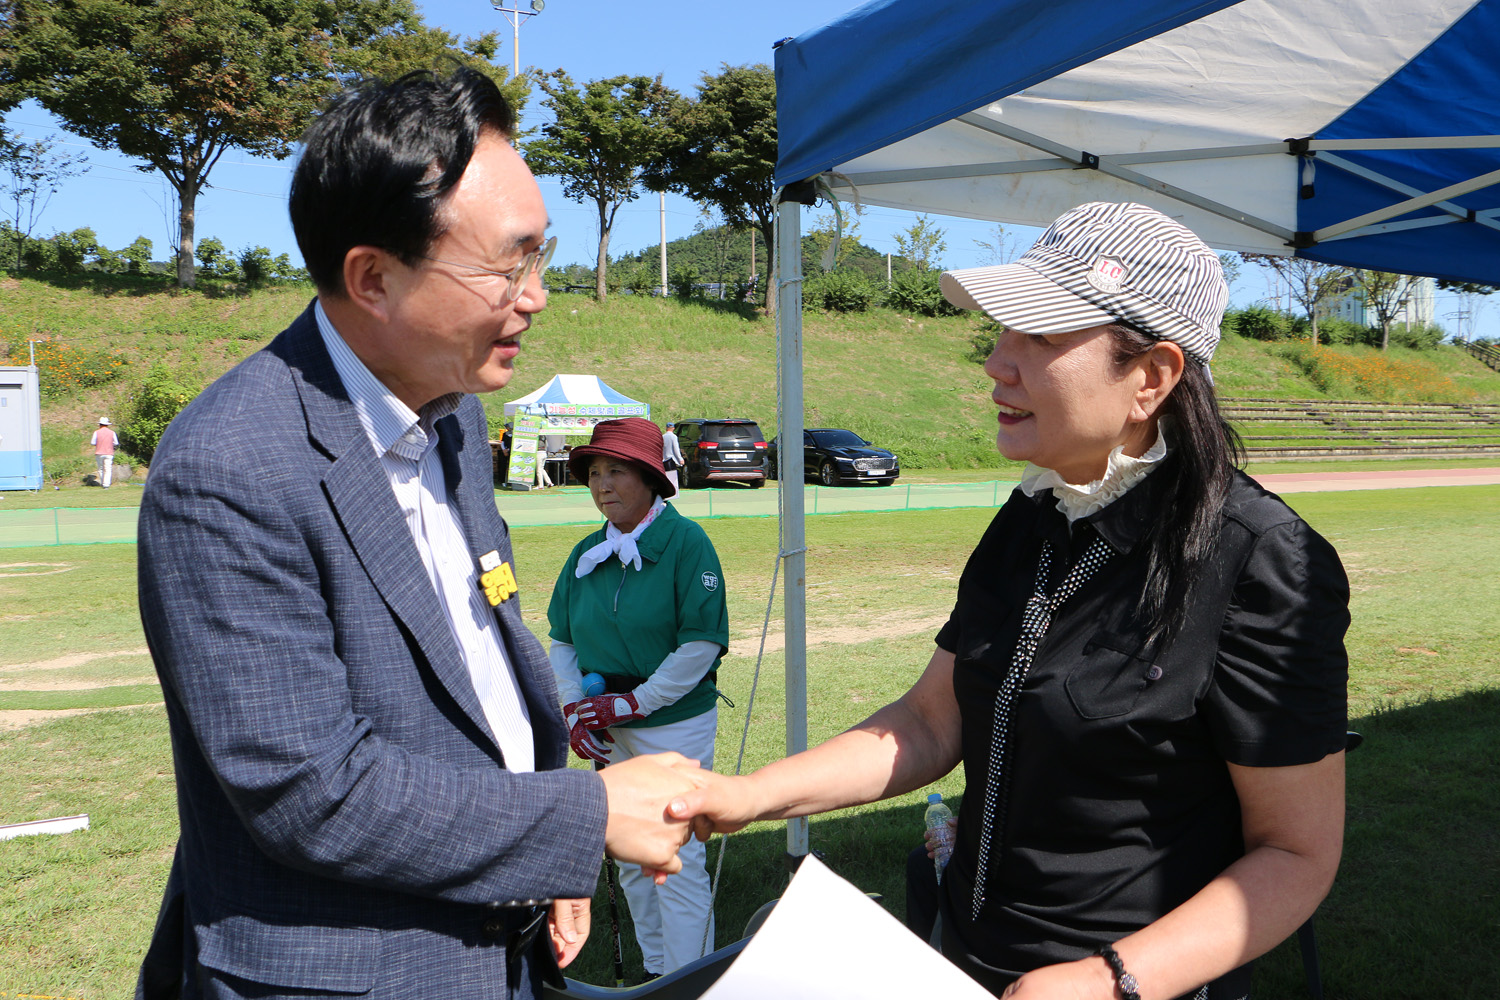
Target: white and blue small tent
1356 132
581 396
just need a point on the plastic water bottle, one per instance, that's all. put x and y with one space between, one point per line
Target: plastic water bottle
592 684
937 817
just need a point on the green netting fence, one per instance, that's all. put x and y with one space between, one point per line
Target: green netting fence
88 526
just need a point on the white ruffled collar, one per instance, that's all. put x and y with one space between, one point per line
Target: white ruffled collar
1122 473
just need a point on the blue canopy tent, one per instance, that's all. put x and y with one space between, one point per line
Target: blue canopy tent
1365 134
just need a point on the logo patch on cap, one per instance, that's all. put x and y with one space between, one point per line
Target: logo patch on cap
1107 275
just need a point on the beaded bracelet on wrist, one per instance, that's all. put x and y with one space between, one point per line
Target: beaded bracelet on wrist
1124 982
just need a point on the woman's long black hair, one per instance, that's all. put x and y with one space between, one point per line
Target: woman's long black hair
1205 451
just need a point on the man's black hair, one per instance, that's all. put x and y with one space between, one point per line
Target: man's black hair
377 163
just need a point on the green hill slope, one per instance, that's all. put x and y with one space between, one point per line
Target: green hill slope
905 382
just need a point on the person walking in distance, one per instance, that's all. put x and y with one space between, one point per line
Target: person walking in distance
671 454
105 441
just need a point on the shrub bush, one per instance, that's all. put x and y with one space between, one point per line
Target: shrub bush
214 261
160 398
838 291
137 256
983 341
1258 322
257 266
1417 336
1333 330
74 249
917 291
684 280
39 255
642 279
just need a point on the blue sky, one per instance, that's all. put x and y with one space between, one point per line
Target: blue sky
246 204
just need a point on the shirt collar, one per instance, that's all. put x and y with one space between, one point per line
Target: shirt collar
1121 474
390 424
1124 523
653 541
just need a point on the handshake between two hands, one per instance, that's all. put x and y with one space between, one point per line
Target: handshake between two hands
657 801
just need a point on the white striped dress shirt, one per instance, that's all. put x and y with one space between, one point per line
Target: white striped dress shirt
406 444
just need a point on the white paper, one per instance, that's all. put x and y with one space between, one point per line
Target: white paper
825 939
62 824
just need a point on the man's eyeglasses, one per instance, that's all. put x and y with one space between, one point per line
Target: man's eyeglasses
517 277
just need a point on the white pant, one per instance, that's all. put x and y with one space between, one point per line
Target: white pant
104 463
670 919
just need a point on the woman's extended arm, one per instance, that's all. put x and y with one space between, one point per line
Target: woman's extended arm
907 744
1293 822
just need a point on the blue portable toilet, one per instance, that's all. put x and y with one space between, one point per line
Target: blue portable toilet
20 428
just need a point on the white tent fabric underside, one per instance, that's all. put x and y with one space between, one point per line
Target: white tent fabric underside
1181 122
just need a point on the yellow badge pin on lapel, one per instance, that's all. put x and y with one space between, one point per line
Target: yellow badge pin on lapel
499 583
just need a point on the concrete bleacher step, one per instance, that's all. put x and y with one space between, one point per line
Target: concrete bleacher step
1293 429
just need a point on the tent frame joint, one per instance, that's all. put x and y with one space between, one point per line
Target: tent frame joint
1298 147
802 192
1087 160
1302 239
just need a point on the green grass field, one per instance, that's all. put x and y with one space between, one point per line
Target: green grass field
1409 914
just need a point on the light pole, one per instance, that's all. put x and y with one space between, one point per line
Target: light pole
515 15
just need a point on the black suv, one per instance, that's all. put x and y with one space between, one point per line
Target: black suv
838 456
722 450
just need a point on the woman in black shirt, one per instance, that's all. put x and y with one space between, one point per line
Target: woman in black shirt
1144 673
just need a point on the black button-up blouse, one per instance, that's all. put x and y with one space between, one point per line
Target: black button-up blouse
1119 804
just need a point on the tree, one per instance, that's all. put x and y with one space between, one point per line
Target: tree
1231 265
822 233
922 243
137 256
1001 248
214 261
1309 281
178 82
725 153
604 139
30 174
1385 293
720 240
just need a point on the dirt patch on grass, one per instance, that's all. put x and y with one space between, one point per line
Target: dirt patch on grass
21 718
70 660
890 627
8 570
23 683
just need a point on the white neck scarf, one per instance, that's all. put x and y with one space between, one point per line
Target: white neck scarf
1120 475
617 542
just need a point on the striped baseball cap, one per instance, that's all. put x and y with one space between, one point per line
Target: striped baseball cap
1101 263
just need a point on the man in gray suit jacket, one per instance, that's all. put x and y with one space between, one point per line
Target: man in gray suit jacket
371 766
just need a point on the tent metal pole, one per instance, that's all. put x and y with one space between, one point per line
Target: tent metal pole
1453 208
793 530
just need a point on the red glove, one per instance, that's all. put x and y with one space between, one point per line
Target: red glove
585 744
605 710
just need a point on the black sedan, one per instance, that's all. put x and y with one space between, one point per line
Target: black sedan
837 456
